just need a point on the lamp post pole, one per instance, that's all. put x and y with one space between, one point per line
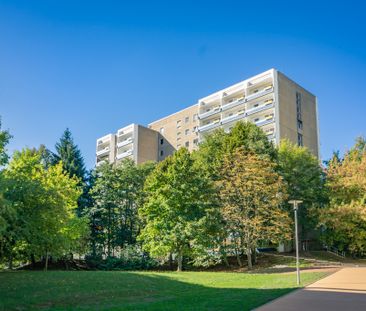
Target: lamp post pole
295 204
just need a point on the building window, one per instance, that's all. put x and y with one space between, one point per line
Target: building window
186 131
195 117
161 153
161 130
299 124
194 129
195 141
178 133
186 120
179 123
161 141
300 140
178 146
178 138
298 106
187 144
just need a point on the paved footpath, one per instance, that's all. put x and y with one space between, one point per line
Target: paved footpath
343 290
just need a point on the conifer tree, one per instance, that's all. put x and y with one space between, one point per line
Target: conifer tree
70 155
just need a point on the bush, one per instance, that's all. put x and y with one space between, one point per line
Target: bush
131 258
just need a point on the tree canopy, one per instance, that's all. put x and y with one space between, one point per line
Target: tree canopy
178 199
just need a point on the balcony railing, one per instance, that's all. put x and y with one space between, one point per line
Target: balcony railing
264 122
259 108
209 126
103 151
125 142
262 92
232 104
234 117
124 154
209 113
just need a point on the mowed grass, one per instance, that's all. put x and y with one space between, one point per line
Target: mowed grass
114 290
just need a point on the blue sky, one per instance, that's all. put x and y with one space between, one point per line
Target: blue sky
95 66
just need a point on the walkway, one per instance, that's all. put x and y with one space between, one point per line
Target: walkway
344 290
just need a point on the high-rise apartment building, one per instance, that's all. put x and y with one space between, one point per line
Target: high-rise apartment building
278 105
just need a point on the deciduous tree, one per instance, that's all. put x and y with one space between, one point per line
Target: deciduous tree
252 194
178 200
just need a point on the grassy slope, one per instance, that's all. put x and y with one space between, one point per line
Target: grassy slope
99 290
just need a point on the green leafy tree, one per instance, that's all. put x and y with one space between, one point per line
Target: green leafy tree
4 140
217 144
305 180
117 194
6 210
178 200
44 201
343 221
252 194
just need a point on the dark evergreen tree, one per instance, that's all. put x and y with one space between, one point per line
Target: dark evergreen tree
70 155
73 163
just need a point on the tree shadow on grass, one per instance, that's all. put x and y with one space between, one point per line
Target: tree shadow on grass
82 290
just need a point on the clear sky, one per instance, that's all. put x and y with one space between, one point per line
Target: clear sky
96 66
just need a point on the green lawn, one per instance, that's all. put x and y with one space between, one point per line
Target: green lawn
100 290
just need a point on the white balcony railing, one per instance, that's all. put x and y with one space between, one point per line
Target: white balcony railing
237 116
125 142
124 154
103 151
209 113
260 93
264 122
259 108
209 126
233 103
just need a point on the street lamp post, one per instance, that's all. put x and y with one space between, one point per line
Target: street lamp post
295 204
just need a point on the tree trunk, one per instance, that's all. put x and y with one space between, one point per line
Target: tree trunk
249 256
240 263
33 260
180 261
11 261
46 262
224 257
254 259
171 261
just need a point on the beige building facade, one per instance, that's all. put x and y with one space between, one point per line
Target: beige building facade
275 103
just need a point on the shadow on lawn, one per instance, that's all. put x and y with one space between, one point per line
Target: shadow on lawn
122 291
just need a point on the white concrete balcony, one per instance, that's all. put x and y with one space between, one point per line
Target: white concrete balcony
209 126
259 108
103 151
260 93
264 121
234 117
209 113
234 103
125 142
124 154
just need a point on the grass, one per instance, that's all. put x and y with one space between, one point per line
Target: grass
107 290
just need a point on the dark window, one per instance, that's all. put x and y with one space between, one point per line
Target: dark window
187 144
195 141
298 106
299 124
161 153
161 141
299 140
